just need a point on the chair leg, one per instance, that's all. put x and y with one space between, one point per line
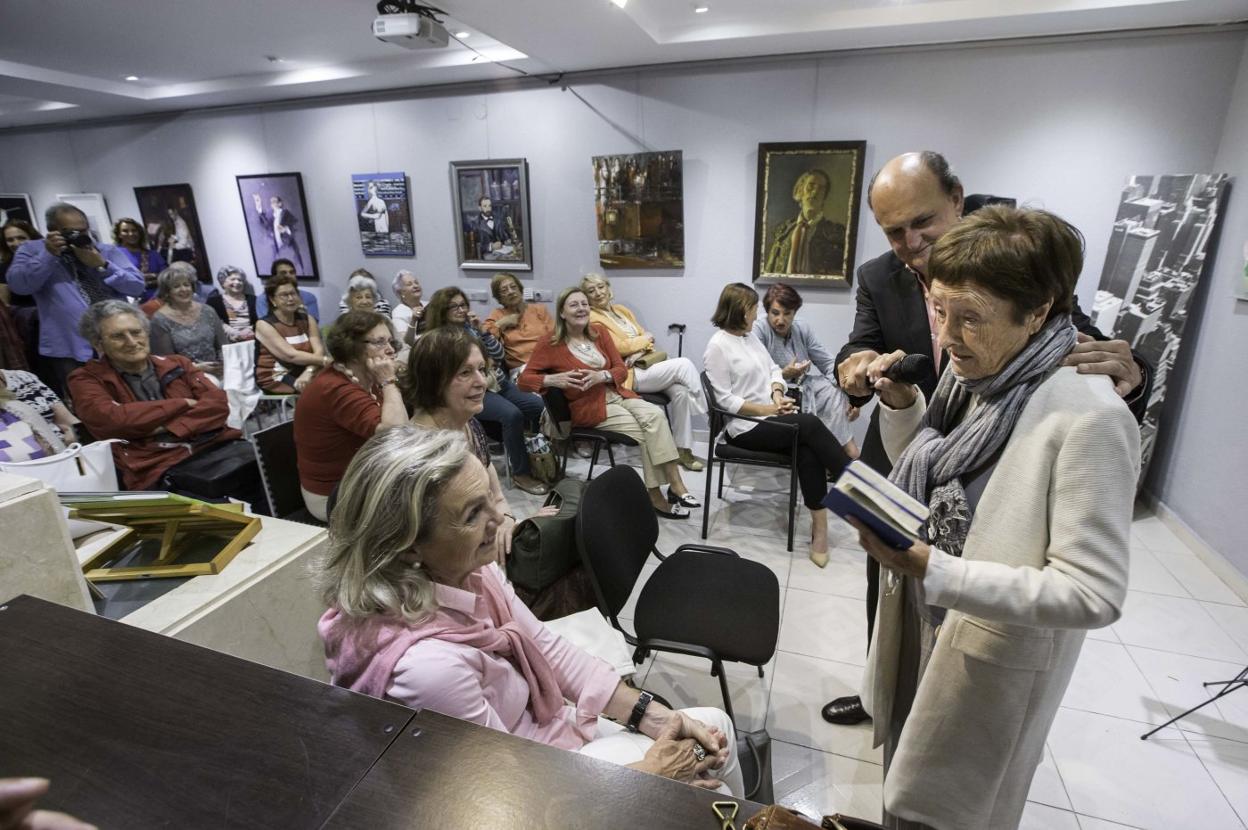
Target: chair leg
760 671
610 454
706 500
717 668
567 447
593 461
792 502
720 493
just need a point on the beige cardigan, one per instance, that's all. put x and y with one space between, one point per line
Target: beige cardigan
626 343
1045 560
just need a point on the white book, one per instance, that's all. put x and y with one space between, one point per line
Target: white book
888 499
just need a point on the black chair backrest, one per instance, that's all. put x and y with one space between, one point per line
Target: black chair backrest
615 530
713 408
557 404
275 452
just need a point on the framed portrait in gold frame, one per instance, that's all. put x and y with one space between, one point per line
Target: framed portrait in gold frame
806 212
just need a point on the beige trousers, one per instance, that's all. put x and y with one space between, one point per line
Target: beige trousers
644 423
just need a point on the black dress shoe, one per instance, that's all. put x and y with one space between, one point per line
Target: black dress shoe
845 711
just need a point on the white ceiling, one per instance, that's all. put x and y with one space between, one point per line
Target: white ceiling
66 60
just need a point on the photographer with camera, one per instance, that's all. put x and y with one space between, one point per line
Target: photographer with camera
66 272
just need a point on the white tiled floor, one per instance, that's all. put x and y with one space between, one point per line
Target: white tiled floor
1181 626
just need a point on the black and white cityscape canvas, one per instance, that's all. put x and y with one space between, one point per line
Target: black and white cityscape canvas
1163 235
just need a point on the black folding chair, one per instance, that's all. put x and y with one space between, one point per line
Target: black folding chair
557 404
727 453
702 600
279 470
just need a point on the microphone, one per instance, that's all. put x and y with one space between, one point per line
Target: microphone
913 368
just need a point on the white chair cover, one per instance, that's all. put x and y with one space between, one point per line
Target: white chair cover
239 380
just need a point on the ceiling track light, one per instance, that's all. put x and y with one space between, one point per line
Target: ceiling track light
701 8
131 78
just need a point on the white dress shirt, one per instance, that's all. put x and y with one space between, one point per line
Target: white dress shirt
740 370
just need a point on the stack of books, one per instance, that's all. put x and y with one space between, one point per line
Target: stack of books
895 516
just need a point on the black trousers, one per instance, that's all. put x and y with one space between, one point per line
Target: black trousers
873 454
818 452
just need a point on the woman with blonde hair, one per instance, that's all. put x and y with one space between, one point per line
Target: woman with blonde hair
584 363
675 377
420 613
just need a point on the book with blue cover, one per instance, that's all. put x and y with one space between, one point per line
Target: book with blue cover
892 513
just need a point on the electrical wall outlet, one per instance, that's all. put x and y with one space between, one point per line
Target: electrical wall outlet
543 295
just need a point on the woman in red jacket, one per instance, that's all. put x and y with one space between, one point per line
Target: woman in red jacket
589 370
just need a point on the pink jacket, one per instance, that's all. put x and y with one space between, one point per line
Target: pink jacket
481 657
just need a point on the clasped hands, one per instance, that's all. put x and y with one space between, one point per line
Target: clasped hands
672 754
579 379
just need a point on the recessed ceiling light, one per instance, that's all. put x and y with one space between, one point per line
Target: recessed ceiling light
131 77
462 35
701 9
620 3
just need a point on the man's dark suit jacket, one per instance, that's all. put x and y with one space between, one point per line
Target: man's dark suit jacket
892 315
826 247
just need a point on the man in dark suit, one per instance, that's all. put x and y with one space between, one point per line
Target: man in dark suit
492 233
809 243
915 198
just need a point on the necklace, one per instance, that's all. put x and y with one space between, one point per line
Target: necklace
584 347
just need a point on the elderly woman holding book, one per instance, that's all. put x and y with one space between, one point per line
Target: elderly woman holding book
1029 471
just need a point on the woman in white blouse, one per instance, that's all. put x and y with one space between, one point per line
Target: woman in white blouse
747 382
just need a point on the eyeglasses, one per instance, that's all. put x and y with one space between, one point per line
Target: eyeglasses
457 307
383 342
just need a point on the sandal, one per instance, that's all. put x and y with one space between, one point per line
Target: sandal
677 512
687 500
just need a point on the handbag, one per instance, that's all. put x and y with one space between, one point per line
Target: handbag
543 548
775 817
542 462
79 468
650 358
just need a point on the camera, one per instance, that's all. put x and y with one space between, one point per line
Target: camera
77 238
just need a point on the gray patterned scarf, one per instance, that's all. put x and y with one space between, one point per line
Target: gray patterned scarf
943 451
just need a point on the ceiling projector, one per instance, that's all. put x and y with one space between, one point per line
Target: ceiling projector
411 31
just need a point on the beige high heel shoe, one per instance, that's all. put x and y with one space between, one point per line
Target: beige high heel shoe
820 559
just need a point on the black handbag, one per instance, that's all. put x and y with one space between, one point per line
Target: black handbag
543 548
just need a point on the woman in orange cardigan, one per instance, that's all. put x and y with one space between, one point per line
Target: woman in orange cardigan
586 365
675 377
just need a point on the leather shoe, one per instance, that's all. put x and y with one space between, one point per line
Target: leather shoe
845 711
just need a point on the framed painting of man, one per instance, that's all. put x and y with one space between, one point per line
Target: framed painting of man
806 211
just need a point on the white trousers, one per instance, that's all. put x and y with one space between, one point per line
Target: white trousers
678 379
619 746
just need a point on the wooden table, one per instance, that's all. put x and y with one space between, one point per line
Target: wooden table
447 773
138 730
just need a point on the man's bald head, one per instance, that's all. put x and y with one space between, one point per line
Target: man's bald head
915 198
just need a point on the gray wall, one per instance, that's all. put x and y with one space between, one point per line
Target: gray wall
1201 466
1057 125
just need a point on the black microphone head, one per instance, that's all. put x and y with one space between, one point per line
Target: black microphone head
913 368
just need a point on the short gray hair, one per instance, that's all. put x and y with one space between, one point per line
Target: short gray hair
226 271
55 209
359 282
169 278
388 503
89 325
394 286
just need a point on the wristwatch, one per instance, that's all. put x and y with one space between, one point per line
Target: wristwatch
639 709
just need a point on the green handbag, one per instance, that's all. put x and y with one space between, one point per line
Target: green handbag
543 548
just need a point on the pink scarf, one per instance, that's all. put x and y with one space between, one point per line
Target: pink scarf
361 654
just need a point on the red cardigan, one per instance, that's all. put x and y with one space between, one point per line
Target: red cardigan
589 406
106 404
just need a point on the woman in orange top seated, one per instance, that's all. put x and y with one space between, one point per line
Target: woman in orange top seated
517 325
585 364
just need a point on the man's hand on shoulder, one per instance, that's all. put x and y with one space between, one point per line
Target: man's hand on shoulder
1106 357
